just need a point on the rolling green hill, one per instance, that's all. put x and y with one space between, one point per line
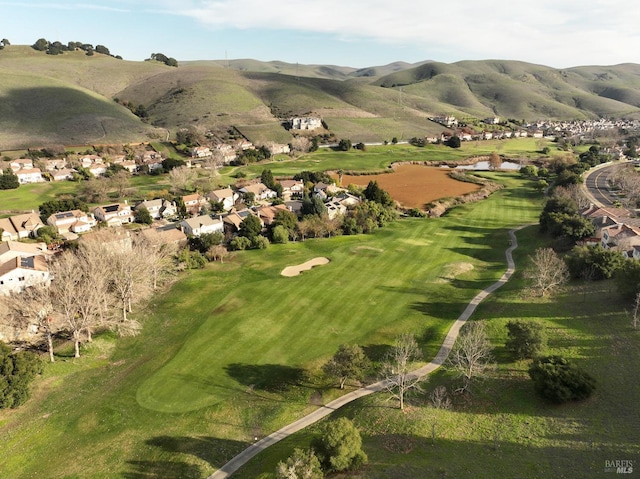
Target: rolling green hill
68 99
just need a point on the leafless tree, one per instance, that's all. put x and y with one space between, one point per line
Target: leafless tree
396 369
34 306
301 144
119 182
217 252
440 398
573 192
471 356
66 294
547 271
181 178
635 314
495 162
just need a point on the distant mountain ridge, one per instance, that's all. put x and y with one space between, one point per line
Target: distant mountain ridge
69 98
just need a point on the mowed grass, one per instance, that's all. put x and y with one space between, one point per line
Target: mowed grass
232 352
503 429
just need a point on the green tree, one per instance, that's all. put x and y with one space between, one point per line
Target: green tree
525 339
259 242
628 279
593 262
41 45
142 215
349 362
250 227
267 179
300 465
373 192
102 49
240 243
557 380
9 180
206 241
313 205
17 370
344 145
340 446
454 142
280 234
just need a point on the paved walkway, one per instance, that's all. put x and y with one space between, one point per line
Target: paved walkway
237 462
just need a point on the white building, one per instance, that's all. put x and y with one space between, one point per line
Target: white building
201 225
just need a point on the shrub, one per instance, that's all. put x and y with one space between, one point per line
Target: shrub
340 446
17 370
556 380
525 339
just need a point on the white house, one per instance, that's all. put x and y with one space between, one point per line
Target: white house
305 123
21 164
200 152
21 272
226 196
115 214
30 175
158 208
201 225
259 190
75 221
291 188
62 174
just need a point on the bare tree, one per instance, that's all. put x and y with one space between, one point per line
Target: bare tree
119 182
34 306
181 178
440 398
217 252
471 357
635 314
495 162
573 192
66 294
547 272
396 369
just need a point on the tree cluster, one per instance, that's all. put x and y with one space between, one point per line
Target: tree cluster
50 207
162 58
58 48
560 218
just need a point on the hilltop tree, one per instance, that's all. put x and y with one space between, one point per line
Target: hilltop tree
349 362
41 45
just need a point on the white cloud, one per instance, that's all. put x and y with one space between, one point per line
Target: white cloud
559 32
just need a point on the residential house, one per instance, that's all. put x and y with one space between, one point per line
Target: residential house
87 160
55 164
168 234
74 221
115 214
226 196
158 208
305 123
21 164
201 152
30 175
21 272
227 152
268 213
62 174
97 169
620 236
201 225
292 189
340 204
20 226
194 203
233 219
260 191
14 249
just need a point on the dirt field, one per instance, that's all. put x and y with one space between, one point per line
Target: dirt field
413 186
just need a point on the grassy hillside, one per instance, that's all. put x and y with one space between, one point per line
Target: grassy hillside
215 95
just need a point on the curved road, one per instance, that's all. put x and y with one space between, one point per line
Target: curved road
596 182
237 462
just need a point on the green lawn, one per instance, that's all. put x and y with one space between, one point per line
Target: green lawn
233 351
504 429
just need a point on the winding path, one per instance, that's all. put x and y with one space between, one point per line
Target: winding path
237 462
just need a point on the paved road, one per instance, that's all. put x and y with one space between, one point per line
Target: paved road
596 182
246 455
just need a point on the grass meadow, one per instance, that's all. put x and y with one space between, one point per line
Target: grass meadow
233 351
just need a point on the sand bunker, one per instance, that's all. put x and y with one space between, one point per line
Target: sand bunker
296 270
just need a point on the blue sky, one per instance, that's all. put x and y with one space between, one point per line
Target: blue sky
356 33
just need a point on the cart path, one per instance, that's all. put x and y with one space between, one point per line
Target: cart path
245 456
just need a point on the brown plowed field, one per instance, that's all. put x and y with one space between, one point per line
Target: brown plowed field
413 186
